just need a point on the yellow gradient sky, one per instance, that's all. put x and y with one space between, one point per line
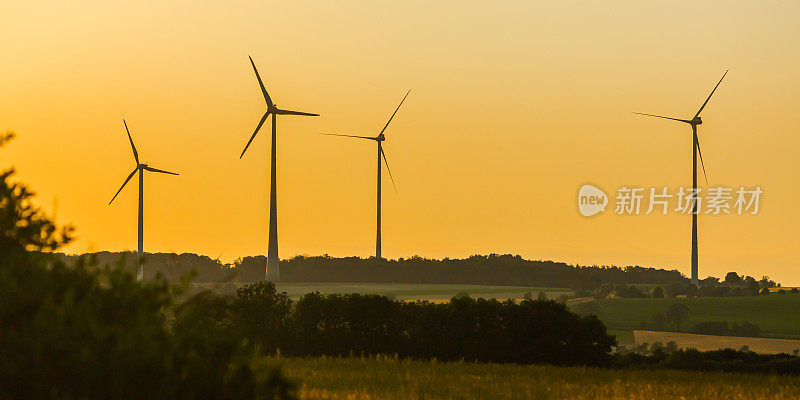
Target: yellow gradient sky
514 105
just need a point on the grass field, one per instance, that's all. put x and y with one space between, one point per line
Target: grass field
624 337
402 291
776 315
387 378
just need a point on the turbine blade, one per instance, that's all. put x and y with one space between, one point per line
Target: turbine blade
135 154
712 93
151 169
701 158
289 112
395 111
659 116
123 184
264 118
389 170
260 83
350 136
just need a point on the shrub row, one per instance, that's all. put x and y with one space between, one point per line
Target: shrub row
532 331
727 360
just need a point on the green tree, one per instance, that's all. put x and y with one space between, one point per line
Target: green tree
262 313
752 286
676 314
766 283
659 320
542 296
24 226
528 296
732 278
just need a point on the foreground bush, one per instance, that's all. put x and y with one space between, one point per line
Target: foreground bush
64 334
84 333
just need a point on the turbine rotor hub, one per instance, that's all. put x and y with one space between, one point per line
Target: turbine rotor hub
697 121
381 138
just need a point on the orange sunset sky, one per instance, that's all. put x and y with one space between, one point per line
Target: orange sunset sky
514 106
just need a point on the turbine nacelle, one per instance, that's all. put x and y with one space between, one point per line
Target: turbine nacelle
139 166
272 108
380 138
696 120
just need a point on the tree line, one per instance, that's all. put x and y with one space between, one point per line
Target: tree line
725 360
493 269
532 331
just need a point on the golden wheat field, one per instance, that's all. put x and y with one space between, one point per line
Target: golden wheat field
390 378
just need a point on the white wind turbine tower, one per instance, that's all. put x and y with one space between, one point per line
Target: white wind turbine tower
379 139
696 120
273 271
140 168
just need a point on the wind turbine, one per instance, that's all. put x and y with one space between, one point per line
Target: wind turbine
379 139
696 120
273 271
140 168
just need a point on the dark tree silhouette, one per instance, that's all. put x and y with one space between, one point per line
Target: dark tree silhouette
677 313
79 332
